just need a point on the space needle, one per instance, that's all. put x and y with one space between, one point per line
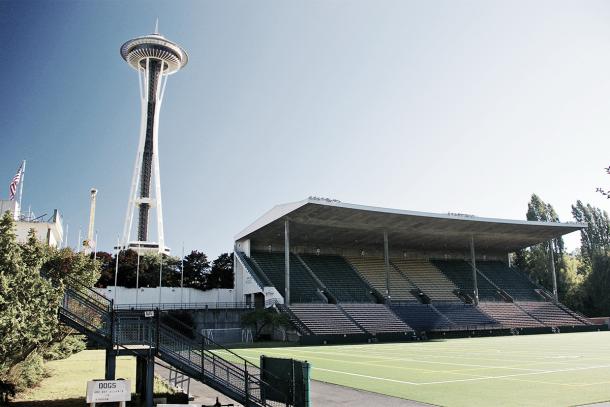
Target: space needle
154 57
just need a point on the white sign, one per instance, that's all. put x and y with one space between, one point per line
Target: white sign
108 390
149 314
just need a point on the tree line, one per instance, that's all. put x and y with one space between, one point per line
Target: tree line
144 272
583 275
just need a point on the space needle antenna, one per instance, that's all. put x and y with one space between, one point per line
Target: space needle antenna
157 26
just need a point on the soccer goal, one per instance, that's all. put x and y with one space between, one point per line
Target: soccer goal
228 335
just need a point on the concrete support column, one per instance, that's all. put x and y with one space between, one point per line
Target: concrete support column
473 261
150 380
110 364
555 293
287 261
386 259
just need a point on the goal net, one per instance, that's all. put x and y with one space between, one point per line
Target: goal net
228 335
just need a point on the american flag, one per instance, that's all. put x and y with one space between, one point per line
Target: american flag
13 185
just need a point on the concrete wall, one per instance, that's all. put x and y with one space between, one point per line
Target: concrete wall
169 295
49 232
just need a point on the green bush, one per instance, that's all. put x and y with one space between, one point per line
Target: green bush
28 373
70 345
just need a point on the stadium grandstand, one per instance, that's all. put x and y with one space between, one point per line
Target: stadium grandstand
351 273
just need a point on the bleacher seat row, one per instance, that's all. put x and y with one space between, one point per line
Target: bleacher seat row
333 295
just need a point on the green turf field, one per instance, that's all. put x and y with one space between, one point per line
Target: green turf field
535 370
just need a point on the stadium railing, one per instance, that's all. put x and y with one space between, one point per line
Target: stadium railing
183 306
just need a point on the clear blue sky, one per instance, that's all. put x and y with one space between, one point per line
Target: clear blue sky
461 106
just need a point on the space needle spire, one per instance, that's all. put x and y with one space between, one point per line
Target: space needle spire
154 58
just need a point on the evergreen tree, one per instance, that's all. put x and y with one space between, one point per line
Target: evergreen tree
196 270
28 302
221 275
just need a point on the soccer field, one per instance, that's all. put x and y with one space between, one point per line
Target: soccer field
535 370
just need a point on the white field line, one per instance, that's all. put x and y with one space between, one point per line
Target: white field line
462 353
462 380
385 379
456 380
370 356
371 363
519 374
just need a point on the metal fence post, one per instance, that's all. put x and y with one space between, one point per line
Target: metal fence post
203 358
246 379
112 327
158 326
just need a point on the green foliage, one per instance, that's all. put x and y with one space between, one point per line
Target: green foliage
31 287
595 298
221 275
536 260
262 318
70 345
28 373
595 239
28 302
197 270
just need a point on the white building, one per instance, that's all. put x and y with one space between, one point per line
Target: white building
48 228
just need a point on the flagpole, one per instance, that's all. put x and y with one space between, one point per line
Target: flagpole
116 268
21 185
182 275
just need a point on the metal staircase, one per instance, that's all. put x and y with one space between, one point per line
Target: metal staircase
191 353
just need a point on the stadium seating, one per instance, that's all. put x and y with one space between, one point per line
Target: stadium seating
460 272
466 315
428 279
324 319
260 277
303 287
509 315
549 313
575 314
509 279
422 317
339 278
375 318
373 271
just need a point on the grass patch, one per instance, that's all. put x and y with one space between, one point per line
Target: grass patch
66 385
534 370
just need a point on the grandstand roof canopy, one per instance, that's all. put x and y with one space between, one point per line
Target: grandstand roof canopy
323 222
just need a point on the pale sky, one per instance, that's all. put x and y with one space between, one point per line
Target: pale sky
438 106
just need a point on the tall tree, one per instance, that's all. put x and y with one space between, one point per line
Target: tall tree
536 259
196 270
595 239
221 275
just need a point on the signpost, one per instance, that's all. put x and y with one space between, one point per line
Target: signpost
105 391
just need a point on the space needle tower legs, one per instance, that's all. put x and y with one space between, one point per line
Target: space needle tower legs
154 58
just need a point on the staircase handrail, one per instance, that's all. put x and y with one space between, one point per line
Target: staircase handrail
70 282
257 275
501 292
321 286
207 340
234 367
293 316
